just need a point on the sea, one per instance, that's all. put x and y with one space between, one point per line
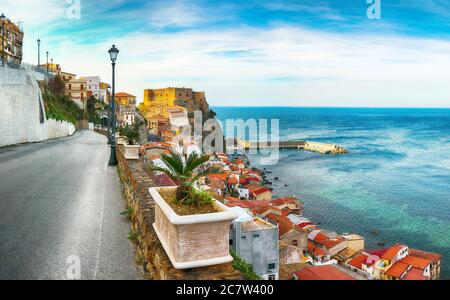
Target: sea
393 186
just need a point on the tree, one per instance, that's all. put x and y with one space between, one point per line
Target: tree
56 86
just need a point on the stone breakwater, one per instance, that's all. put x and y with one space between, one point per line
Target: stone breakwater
324 148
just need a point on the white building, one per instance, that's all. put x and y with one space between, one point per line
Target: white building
93 86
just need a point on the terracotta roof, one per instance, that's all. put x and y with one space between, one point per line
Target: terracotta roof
328 242
232 199
358 261
316 251
284 225
417 262
415 274
392 252
328 272
284 200
397 270
221 176
434 257
261 191
233 181
121 94
377 252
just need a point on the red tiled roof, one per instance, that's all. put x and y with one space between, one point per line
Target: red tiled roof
397 270
284 200
392 252
415 274
221 176
316 251
232 199
434 257
328 272
358 261
417 262
260 191
377 252
327 241
124 95
232 181
284 225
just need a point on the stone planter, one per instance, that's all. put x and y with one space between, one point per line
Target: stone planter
193 241
131 151
120 140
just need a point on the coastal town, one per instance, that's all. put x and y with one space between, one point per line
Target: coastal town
271 233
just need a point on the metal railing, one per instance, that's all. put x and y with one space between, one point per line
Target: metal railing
27 67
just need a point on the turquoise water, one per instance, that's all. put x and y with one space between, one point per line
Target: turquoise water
396 179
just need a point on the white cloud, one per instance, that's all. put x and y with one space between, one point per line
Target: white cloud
320 68
282 65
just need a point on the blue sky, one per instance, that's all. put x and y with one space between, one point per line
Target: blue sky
293 53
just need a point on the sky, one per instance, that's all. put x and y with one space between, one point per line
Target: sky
254 52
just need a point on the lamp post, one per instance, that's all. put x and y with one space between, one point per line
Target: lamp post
113 55
47 62
3 39
39 53
109 115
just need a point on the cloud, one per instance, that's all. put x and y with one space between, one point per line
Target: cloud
240 63
289 65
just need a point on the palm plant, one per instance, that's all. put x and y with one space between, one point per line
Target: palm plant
184 175
131 133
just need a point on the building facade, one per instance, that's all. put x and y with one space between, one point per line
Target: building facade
256 241
125 99
158 101
92 86
11 35
75 89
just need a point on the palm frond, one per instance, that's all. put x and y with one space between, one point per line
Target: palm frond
174 163
165 171
194 161
205 173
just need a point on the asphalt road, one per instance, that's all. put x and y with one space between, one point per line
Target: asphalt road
60 204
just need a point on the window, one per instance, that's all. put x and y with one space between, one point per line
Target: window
243 237
272 266
256 236
231 242
272 277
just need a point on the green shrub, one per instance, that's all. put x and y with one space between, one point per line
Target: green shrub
245 268
61 108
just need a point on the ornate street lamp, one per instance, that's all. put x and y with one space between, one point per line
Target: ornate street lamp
113 55
39 53
3 39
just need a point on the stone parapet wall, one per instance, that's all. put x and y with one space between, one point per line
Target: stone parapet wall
149 251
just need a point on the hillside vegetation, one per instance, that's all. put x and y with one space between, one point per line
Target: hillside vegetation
57 105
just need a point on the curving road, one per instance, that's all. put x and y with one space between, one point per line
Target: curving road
59 202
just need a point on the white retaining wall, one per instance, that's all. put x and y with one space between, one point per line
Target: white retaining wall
20 102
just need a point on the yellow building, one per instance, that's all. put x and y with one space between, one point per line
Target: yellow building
13 42
75 88
124 99
158 101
